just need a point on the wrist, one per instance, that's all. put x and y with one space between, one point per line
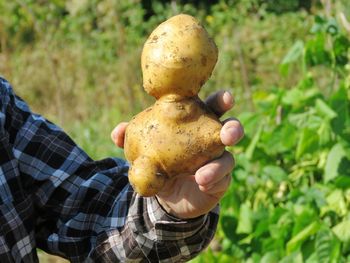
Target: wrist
166 208
171 212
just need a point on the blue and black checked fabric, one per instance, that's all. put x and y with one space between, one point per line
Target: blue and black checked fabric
53 196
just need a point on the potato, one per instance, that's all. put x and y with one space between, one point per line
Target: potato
178 58
179 133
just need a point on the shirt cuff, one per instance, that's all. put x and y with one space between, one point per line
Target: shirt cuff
169 227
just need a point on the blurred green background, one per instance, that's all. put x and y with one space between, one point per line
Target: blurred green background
77 62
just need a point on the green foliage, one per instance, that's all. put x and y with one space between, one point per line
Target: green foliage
290 196
286 62
77 60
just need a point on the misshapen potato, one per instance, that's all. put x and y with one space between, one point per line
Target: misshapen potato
178 134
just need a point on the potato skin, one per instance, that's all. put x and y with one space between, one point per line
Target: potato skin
178 134
145 177
178 137
178 58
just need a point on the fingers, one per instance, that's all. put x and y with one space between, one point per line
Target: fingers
220 102
118 134
219 188
231 132
212 173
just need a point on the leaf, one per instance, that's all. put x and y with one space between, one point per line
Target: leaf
230 202
270 257
312 258
294 53
276 173
308 248
325 133
326 246
292 97
245 224
262 227
295 257
324 109
307 84
251 121
340 103
314 195
292 56
323 246
280 140
315 52
336 203
224 258
341 46
304 216
229 224
334 159
342 182
319 24
298 239
342 231
308 143
251 147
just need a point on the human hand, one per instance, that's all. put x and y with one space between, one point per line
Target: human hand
192 196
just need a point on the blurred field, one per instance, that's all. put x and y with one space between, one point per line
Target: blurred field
287 64
78 61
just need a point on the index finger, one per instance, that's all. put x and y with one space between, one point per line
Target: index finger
118 134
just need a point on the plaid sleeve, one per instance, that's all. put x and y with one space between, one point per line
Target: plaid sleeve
52 194
55 197
152 235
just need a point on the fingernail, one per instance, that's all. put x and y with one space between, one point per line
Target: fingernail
227 98
235 134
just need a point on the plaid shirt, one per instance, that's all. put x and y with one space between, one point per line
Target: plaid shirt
53 196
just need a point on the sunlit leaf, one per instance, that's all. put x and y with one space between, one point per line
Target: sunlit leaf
342 231
298 239
336 203
308 143
292 56
276 173
225 258
251 148
270 257
280 140
312 258
325 110
295 257
245 223
334 159
303 216
292 97
326 247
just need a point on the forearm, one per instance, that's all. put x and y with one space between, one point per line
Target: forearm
150 233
